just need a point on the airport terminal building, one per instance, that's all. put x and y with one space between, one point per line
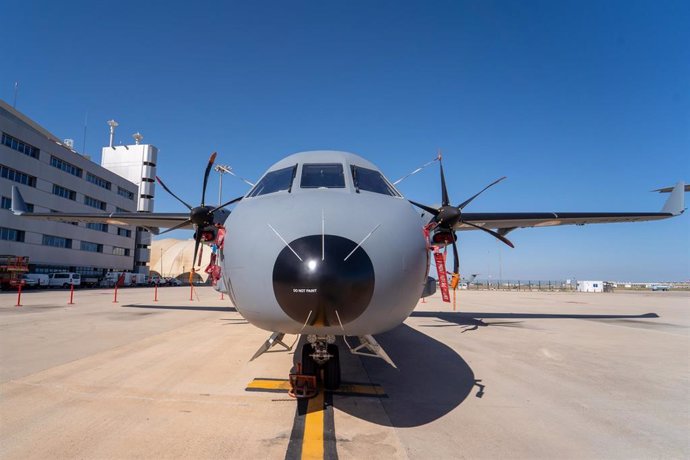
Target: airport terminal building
52 177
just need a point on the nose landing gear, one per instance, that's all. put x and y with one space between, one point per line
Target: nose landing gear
321 358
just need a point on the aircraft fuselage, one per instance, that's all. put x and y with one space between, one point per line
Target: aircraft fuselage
327 260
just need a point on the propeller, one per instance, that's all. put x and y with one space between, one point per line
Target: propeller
448 216
200 216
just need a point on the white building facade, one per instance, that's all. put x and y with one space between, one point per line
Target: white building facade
136 163
54 178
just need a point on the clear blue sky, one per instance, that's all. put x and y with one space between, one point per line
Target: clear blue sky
585 106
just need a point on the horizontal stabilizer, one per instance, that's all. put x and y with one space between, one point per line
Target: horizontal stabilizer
670 189
675 204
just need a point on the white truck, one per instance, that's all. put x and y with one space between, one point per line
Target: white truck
128 279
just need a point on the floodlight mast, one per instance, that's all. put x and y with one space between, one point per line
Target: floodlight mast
221 169
113 124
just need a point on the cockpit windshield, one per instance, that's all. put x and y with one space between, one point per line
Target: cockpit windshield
275 181
322 175
370 180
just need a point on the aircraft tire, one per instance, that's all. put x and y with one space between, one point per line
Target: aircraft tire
331 370
309 366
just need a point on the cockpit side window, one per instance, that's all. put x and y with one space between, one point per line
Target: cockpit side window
370 180
275 181
326 175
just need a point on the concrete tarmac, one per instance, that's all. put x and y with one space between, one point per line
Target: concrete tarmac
510 375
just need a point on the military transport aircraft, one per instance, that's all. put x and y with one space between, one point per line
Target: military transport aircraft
324 246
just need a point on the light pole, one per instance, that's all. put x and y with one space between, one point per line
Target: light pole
221 169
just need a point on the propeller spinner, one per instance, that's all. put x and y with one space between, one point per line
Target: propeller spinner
200 216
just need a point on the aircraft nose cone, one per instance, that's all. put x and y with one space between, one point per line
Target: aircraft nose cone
330 281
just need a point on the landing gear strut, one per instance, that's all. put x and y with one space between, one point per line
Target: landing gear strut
321 358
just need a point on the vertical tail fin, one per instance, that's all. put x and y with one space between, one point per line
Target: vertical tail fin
18 205
675 204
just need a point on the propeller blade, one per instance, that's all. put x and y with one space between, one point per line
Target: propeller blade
175 196
466 202
491 232
211 160
444 190
186 222
456 258
196 246
226 204
428 209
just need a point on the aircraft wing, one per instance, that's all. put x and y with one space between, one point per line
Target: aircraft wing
507 221
150 220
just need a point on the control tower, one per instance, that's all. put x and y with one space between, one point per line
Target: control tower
136 163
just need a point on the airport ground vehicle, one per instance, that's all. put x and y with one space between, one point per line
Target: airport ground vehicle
661 287
11 269
125 279
40 278
64 279
28 282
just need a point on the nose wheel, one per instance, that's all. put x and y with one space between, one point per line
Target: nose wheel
322 360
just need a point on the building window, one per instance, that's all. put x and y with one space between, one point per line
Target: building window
94 203
147 179
97 226
124 232
63 165
91 247
120 251
7 204
10 234
64 192
19 146
149 163
125 193
98 181
16 176
57 241
118 209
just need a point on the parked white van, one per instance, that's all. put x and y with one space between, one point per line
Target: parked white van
41 279
64 279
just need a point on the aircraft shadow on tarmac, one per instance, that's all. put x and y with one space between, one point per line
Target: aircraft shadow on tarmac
466 318
175 307
431 380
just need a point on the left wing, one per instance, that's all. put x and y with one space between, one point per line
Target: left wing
150 220
507 221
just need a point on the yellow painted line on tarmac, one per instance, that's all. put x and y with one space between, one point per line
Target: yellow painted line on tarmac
283 386
279 385
313 431
312 442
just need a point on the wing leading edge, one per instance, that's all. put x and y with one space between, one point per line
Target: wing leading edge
150 220
507 221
